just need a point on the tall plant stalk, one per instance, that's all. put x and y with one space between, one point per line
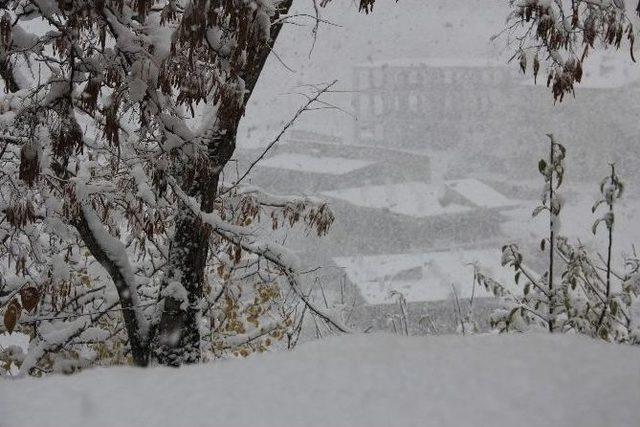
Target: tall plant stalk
551 233
611 189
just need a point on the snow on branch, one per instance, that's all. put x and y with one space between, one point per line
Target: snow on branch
276 254
564 33
314 212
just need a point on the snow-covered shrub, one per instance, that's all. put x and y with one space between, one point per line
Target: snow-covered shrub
579 292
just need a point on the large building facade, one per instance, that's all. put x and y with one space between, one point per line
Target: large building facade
491 117
399 103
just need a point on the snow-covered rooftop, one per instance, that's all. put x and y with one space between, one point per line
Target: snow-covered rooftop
480 194
421 200
296 135
438 62
423 276
312 164
414 198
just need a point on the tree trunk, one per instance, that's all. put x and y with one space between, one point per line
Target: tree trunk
178 339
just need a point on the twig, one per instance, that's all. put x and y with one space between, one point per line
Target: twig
290 123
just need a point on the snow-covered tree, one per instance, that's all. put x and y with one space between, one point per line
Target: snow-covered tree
579 292
119 238
563 33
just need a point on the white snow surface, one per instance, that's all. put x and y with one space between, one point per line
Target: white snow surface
415 199
312 164
424 276
480 194
355 380
438 62
422 200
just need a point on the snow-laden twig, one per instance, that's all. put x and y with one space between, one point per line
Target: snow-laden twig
274 253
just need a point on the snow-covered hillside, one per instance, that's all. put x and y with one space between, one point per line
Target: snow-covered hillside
362 380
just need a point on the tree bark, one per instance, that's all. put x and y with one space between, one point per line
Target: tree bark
178 340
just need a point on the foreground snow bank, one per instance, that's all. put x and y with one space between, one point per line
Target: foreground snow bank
357 380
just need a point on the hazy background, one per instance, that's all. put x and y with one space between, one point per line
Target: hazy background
381 241
408 29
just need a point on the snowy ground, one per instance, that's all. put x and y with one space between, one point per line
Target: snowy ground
358 380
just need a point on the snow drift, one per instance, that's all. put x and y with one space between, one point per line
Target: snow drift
361 380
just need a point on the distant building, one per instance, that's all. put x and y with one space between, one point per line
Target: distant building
480 116
399 103
384 198
310 163
414 215
423 276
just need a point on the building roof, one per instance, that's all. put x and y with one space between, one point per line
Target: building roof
480 194
313 164
415 199
421 200
423 276
602 70
303 135
444 62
